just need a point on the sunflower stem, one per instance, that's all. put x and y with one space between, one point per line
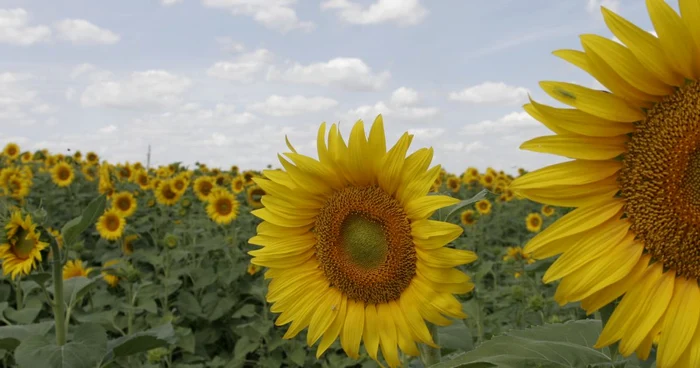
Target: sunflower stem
605 314
430 355
58 303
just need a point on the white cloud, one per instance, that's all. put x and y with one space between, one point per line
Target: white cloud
464 147
404 96
244 68
427 133
109 129
15 28
82 32
276 105
491 93
347 73
170 2
12 92
227 44
402 12
152 88
508 123
43 109
273 14
593 6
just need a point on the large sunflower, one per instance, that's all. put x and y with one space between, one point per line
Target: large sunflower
62 174
166 193
635 179
23 248
351 250
124 203
111 224
202 187
222 207
11 151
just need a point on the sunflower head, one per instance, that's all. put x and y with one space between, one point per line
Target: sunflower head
124 203
166 194
108 272
92 158
254 196
483 207
171 240
548 210
124 172
180 183
62 174
487 180
222 207
128 244
142 179
252 269
237 185
203 186
111 224
351 249
248 177
467 217
23 248
234 170
454 184
75 268
11 151
533 222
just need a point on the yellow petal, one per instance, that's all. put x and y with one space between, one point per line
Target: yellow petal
325 313
416 164
691 356
370 335
279 220
597 103
392 165
644 348
644 46
445 257
316 169
424 207
352 331
576 121
309 182
302 312
674 37
334 329
690 12
414 319
578 147
403 332
575 172
575 57
387 335
574 195
423 302
680 322
418 187
623 61
611 292
426 229
359 159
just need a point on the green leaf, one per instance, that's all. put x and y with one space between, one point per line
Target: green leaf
247 310
456 336
452 210
27 314
75 287
553 345
73 228
39 278
140 342
85 351
11 336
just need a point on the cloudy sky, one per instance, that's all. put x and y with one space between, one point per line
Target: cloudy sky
223 81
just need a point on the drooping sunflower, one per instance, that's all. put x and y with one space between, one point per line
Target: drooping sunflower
111 224
483 207
11 151
90 172
467 217
202 187
23 248
75 268
166 194
548 210
111 279
128 244
237 185
351 250
124 203
222 207
634 178
248 177
62 174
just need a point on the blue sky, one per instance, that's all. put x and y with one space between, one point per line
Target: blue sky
223 81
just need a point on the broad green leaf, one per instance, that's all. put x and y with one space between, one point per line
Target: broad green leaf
454 209
555 345
456 336
39 278
84 351
247 310
11 336
141 342
27 314
73 228
75 287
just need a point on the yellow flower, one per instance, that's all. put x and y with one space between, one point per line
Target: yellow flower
166 194
483 207
470 175
467 217
487 180
202 187
350 249
11 151
23 248
90 172
234 170
62 174
180 183
512 253
75 268
222 207
26 157
124 172
533 222
634 180
128 244
237 185
248 177
517 275
547 210
454 184
111 224
124 203
112 280
92 158
143 180
253 269
254 196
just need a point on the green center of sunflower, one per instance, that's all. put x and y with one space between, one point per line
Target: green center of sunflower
24 244
660 180
364 241
365 247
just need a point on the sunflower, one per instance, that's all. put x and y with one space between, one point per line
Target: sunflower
23 248
487 180
171 240
124 204
166 194
128 244
467 217
248 177
470 175
222 207
124 172
112 280
90 172
202 187
351 250
547 210
92 158
111 224
237 185
75 269
634 179
180 183
26 157
62 174
533 222
483 207
454 184
512 253
142 179
18 187
11 151
254 195
253 269
234 170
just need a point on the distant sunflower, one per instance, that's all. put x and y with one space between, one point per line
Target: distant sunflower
252 269
111 224
143 180
351 250
26 157
202 187
548 210
18 187
254 196
166 194
454 184
124 203
467 218
62 174
23 248
111 279
470 175
180 183
90 172
128 244
75 268
248 177
635 180
124 172
237 185
533 222
234 170
483 207
92 158
222 207
11 151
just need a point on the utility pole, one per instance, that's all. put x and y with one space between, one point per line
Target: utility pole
148 158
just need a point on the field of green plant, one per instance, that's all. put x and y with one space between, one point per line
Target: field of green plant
119 265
